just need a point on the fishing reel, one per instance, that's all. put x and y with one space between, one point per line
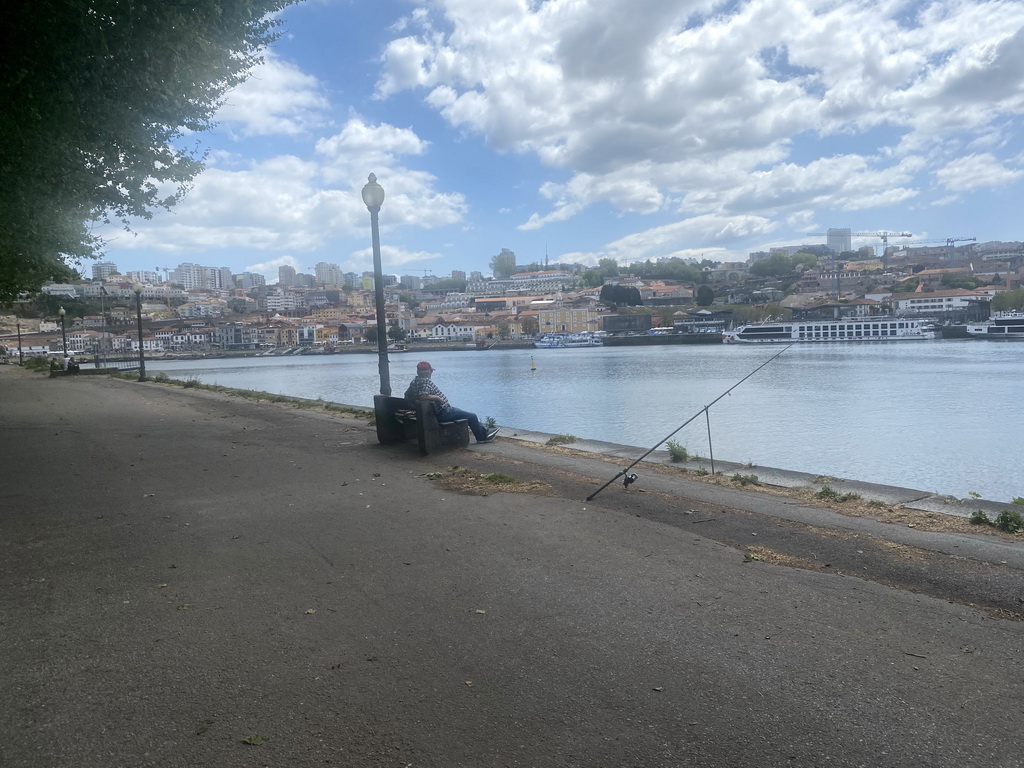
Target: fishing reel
628 480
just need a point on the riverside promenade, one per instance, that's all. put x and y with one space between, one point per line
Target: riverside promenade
193 579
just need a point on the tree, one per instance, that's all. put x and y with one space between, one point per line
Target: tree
459 286
621 295
608 267
370 334
96 97
395 331
503 329
530 325
1007 300
705 295
504 264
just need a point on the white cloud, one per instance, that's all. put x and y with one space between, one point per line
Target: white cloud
707 100
299 205
269 268
976 172
278 99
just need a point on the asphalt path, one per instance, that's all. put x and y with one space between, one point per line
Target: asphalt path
190 579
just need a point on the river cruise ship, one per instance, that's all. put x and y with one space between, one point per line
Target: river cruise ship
1004 326
850 329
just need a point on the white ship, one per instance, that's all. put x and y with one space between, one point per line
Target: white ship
1005 326
849 329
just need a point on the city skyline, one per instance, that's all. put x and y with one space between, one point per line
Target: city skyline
586 130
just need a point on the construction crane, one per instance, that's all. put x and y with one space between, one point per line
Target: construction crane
167 285
949 241
883 235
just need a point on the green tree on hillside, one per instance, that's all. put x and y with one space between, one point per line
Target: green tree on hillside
1005 301
705 295
96 97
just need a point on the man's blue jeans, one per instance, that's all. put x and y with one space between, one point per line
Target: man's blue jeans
454 414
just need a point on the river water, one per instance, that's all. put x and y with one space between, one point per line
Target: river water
943 416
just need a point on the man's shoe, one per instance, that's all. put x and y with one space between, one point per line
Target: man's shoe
491 434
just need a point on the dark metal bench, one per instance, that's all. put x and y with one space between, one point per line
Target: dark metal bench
399 420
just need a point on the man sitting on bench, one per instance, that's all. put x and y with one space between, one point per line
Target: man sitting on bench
422 388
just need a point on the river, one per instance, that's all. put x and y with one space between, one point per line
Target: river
941 416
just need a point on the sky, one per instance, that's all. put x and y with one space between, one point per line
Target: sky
593 129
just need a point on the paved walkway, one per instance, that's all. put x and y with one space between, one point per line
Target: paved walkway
183 572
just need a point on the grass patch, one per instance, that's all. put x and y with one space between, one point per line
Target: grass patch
746 479
562 440
38 364
828 493
255 395
473 483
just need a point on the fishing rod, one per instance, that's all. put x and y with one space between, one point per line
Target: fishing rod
629 479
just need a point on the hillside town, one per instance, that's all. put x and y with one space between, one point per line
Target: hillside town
193 309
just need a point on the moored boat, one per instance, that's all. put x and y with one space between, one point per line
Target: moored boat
692 332
567 340
849 329
1004 326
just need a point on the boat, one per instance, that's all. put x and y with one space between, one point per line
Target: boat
397 347
690 332
1004 326
567 340
848 329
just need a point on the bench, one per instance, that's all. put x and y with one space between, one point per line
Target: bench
399 420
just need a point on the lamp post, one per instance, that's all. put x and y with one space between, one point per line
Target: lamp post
373 197
63 334
21 352
137 288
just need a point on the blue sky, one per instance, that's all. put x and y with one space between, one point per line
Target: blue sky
587 129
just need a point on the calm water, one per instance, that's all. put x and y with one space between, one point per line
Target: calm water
941 416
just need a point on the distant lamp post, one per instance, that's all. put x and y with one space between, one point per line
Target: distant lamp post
63 333
373 197
21 352
137 288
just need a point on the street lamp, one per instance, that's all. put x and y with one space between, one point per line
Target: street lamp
137 288
373 197
63 334
21 352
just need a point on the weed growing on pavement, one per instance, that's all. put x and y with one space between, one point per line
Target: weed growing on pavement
746 479
1010 521
828 493
980 518
677 451
562 440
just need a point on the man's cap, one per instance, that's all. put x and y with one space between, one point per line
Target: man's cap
423 366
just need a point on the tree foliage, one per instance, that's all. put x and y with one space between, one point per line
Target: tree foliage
503 265
624 295
705 295
780 265
1008 300
96 95
396 332
458 286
